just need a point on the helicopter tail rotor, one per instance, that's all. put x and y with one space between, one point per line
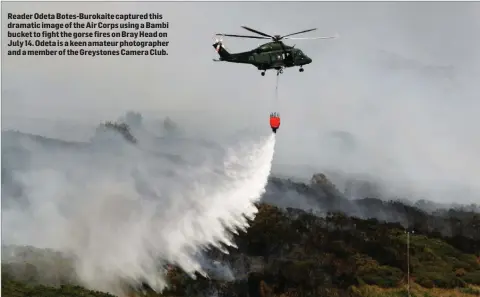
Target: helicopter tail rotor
218 44
220 48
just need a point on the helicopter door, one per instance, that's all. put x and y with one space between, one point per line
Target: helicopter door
274 57
288 58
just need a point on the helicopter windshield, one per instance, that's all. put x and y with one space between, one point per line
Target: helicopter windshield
265 47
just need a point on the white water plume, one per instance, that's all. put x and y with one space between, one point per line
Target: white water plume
122 211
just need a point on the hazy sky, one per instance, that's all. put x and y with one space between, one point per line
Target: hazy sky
401 81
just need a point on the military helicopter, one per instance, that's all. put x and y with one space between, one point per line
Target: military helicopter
272 55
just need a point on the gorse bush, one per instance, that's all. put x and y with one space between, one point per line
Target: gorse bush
294 253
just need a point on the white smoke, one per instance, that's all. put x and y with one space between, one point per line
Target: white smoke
122 210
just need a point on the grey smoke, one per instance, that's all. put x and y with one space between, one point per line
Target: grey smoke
401 81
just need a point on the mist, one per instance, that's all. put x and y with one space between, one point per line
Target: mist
391 101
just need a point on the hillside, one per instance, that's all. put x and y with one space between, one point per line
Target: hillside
296 253
327 245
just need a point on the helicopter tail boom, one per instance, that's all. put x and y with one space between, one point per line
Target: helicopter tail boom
222 52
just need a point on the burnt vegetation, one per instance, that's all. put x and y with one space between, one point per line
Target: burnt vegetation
120 128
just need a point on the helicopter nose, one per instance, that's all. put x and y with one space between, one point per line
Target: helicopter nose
308 60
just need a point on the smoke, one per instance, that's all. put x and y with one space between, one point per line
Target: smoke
401 81
122 210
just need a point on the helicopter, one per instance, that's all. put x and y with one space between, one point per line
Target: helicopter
272 55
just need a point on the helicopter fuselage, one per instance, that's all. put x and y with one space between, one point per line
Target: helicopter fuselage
272 55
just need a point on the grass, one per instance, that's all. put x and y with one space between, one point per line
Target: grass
415 291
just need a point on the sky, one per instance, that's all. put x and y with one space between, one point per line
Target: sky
393 97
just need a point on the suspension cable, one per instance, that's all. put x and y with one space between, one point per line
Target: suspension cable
276 92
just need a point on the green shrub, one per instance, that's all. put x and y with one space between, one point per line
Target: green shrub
472 277
383 276
12 288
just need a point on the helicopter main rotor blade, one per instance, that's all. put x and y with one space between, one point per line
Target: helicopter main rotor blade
255 31
304 31
307 38
242 36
